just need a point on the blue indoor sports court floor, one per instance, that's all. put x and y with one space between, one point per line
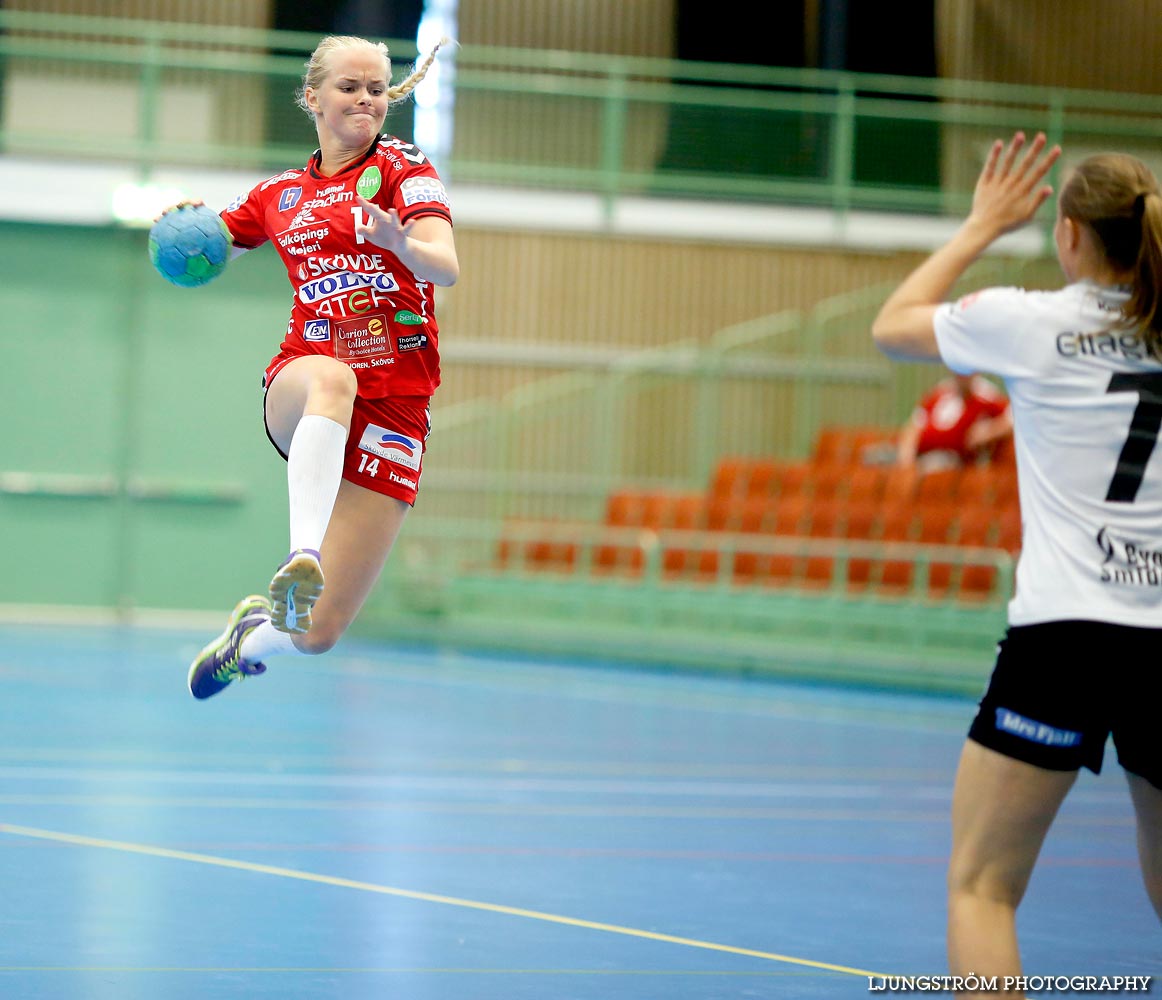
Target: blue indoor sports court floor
398 824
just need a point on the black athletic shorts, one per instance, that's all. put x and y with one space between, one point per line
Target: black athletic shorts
1059 689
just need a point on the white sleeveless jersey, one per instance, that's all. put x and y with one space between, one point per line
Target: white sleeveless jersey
1087 407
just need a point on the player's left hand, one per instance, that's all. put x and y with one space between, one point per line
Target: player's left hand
179 204
382 228
1010 190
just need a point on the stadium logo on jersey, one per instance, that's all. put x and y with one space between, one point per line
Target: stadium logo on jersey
329 198
317 330
289 198
392 445
422 189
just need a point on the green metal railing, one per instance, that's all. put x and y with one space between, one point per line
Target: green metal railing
493 485
445 584
608 125
763 387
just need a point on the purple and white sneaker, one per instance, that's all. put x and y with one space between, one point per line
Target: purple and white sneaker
220 662
296 587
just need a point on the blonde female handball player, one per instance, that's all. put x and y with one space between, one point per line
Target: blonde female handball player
365 233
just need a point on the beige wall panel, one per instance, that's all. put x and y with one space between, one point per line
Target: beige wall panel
244 13
544 288
1106 46
545 130
194 107
620 27
539 131
1109 46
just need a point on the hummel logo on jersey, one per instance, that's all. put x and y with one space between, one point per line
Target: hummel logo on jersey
408 151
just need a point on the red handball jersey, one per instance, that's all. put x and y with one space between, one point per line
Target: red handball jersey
353 300
945 416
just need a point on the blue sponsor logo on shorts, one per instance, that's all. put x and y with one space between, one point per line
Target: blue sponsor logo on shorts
317 329
1036 732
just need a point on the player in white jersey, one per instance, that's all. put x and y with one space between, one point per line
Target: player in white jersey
1080 659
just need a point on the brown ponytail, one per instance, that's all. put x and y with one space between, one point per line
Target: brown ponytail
1117 197
1144 308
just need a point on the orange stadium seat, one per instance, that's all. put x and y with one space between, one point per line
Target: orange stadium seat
723 513
1009 529
864 438
866 482
793 477
784 517
535 554
764 477
940 484
937 522
688 512
861 523
828 481
832 445
1005 490
827 517
899 486
977 484
628 509
978 529
892 573
1005 453
729 478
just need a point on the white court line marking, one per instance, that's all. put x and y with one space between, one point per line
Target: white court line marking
77 840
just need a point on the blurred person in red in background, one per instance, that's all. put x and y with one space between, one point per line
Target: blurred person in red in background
958 422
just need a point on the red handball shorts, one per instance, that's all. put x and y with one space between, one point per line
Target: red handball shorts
385 446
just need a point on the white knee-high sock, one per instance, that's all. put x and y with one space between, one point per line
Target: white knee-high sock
314 468
267 641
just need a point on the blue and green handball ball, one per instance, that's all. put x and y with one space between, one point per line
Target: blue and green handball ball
189 245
